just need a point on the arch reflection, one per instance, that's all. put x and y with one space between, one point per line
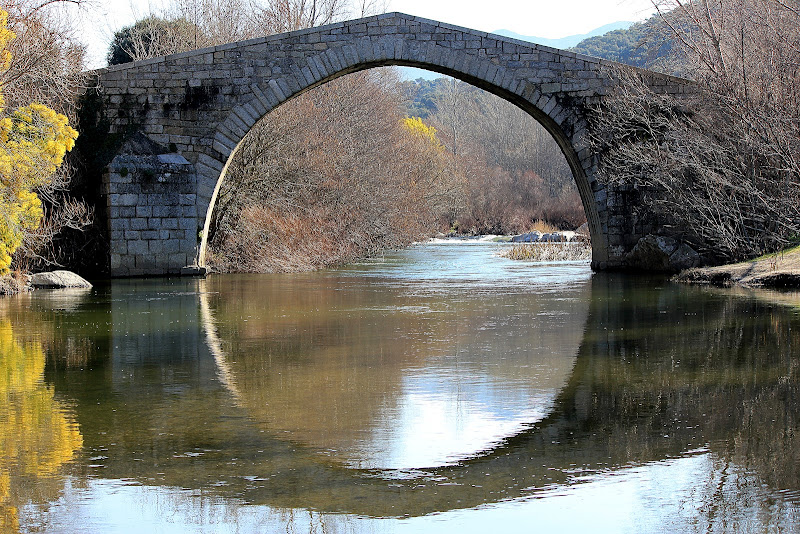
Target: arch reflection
393 380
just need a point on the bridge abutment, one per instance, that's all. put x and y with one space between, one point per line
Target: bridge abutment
152 207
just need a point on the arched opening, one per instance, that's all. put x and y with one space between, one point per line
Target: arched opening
502 101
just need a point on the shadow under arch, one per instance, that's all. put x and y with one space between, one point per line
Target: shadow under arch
561 115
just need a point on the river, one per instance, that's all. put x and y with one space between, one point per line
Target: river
435 389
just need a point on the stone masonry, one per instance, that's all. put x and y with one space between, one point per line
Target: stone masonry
197 106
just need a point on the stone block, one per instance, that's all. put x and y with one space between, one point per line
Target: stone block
138 247
145 263
168 223
119 247
181 259
189 211
138 224
127 199
171 246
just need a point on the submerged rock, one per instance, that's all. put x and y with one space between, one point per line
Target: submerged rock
58 279
539 237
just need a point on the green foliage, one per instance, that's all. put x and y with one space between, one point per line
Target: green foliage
421 95
33 142
645 44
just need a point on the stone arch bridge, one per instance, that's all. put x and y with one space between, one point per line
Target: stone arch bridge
178 120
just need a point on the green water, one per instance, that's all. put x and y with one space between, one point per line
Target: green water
436 389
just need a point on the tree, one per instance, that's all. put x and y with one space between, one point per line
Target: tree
33 142
330 176
152 36
46 67
513 171
723 162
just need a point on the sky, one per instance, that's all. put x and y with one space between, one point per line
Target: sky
540 18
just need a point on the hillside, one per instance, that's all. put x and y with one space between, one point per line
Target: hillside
569 41
643 44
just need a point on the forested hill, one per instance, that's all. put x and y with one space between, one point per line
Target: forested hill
644 44
569 41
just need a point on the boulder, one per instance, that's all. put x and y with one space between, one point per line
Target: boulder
554 237
684 257
58 279
651 253
530 237
568 236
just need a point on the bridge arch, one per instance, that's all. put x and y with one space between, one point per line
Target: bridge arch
202 103
268 96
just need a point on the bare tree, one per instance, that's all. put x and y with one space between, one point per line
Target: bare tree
47 60
328 177
512 168
278 16
697 165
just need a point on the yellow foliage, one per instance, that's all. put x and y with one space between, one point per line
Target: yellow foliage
33 142
37 435
419 128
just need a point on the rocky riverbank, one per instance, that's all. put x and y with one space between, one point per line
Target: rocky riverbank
774 271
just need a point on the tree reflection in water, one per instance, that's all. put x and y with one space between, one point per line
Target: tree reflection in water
38 434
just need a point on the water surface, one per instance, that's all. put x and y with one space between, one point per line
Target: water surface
435 389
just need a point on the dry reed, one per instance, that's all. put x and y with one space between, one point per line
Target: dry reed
574 251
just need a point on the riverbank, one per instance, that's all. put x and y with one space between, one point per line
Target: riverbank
17 282
14 283
773 271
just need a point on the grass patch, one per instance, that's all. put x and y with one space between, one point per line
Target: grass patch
549 252
779 254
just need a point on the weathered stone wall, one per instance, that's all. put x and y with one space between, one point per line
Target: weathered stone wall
202 103
152 206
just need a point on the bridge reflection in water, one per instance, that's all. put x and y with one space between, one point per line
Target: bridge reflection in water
320 402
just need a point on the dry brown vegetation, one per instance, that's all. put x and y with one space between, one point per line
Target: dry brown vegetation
329 177
547 252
